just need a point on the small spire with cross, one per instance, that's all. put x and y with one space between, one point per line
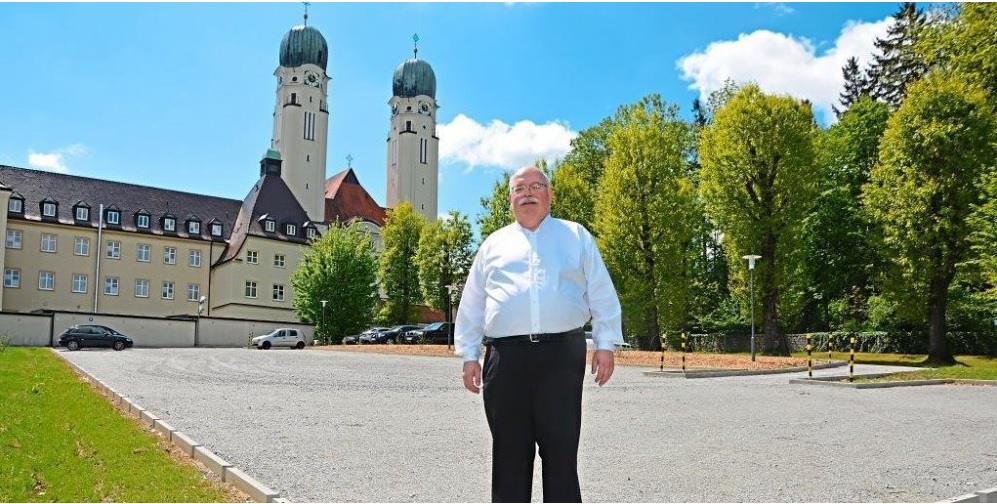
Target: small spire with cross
415 39
306 4
349 161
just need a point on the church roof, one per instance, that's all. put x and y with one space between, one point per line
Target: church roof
346 199
269 199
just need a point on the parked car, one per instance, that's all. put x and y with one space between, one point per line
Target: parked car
392 335
284 336
355 339
590 343
86 335
435 333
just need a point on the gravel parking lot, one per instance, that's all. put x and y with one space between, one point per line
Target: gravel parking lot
326 426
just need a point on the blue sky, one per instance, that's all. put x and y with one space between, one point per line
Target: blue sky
181 95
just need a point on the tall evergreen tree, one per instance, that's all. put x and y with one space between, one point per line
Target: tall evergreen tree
898 63
856 85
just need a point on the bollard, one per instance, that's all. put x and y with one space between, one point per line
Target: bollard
830 345
683 353
663 337
810 361
851 360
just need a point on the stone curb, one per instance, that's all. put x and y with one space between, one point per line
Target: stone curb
988 495
692 373
838 381
224 470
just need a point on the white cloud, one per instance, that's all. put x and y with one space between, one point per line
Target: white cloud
778 7
55 161
466 141
782 63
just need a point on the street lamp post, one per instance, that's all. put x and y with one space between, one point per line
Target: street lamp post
324 302
751 269
451 289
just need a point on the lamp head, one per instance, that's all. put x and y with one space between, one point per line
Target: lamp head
751 260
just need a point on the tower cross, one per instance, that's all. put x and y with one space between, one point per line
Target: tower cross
349 161
306 4
415 39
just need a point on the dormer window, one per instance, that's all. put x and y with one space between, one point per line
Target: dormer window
291 230
310 232
170 224
269 225
49 208
216 229
142 221
82 213
114 217
193 227
15 205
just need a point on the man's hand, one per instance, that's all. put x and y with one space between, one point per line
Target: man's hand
602 366
472 375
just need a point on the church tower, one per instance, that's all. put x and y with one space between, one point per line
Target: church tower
413 147
301 116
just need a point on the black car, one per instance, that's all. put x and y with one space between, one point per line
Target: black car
437 333
86 335
392 335
355 339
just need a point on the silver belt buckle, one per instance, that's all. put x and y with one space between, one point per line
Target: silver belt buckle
534 338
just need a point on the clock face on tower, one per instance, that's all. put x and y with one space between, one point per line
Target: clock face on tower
424 107
311 78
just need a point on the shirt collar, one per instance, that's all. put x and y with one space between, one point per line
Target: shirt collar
539 227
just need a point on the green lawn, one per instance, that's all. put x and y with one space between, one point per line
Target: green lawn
970 367
61 441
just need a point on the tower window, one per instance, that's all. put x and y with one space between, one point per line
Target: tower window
294 98
309 133
308 157
408 125
423 148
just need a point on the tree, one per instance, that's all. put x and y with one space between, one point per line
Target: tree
574 199
341 269
841 260
758 181
937 150
645 217
398 271
898 63
856 85
444 257
497 213
966 44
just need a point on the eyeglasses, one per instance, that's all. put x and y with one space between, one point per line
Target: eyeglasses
534 187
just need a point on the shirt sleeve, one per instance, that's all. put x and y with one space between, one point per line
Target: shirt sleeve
604 303
469 328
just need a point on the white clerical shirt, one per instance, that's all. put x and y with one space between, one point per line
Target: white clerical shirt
532 282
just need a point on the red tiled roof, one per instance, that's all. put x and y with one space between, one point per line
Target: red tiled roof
346 199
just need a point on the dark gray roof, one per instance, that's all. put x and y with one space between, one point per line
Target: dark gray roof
68 190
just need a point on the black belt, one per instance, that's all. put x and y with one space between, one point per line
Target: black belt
533 338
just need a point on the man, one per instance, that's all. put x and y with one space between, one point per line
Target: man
533 286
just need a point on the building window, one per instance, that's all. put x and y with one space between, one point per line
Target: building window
408 125
12 278
169 224
113 249
82 246
194 228
14 238
309 126
250 289
423 150
252 257
49 242
15 205
79 283
194 258
278 292
111 286
49 209
113 217
292 230
143 252
167 290
169 255
142 221
269 226
141 288
294 96
216 229
278 260
82 213
46 280
193 292
311 232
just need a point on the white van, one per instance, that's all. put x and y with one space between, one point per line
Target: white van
285 337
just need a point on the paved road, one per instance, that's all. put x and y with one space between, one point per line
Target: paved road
335 426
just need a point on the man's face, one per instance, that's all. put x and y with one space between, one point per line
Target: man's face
529 197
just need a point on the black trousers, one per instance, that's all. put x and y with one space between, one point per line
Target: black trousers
533 397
